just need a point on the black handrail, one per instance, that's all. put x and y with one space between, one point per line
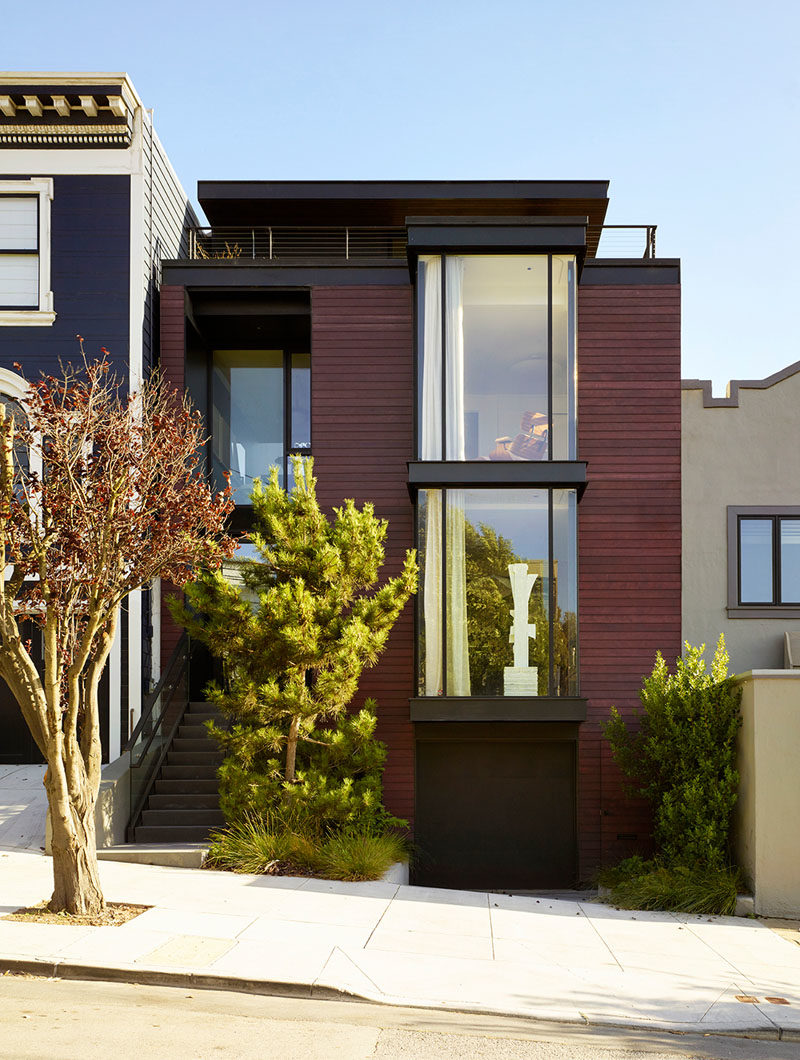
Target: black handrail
172 673
150 724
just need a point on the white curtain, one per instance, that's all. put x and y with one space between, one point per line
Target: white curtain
431 449
431 412
458 683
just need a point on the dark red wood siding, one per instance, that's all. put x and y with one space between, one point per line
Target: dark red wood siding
362 424
629 427
173 360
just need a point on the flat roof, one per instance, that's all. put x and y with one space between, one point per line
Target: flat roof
389 202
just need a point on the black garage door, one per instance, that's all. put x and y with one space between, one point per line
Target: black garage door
495 810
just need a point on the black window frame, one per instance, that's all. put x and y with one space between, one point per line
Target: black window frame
548 697
572 396
773 515
289 449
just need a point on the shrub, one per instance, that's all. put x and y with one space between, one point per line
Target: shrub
255 845
682 756
639 884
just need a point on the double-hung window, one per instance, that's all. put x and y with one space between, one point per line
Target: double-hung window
764 558
25 295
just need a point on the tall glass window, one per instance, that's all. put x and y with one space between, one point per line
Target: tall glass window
261 411
497 371
497 603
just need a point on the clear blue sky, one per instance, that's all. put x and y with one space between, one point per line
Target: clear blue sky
689 108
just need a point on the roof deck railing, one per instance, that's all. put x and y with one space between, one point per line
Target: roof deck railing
283 244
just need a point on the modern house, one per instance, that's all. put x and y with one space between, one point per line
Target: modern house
89 205
462 355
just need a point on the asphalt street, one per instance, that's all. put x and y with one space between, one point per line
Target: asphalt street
51 1019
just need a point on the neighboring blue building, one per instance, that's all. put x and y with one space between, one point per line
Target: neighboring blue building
89 206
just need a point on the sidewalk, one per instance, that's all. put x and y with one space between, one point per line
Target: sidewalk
535 957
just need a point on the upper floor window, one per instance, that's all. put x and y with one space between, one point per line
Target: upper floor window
504 387
261 413
25 295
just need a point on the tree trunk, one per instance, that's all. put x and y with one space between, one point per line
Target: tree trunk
76 879
291 748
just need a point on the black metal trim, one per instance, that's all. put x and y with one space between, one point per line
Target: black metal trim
444 612
549 356
443 365
497 708
635 271
199 274
551 598
495 729
359 190
494 239
497 474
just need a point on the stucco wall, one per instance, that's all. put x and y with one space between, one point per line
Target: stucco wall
743 455
767 837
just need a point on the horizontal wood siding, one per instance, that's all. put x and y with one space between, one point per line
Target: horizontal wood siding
629 524
362 407
173 357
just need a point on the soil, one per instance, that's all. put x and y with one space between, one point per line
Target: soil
114 914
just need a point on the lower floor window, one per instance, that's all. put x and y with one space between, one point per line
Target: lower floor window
497 607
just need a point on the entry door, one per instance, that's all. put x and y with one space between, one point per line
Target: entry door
496 814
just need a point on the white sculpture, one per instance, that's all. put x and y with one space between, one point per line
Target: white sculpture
521 678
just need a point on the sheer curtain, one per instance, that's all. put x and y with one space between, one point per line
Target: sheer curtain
431 449
458 682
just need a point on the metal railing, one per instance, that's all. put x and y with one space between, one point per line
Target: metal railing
621 241
162 712
282 243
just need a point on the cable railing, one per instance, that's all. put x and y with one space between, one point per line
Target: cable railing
286 245
162 711
621 241
279 243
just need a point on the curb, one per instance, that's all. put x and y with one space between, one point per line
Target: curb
55 969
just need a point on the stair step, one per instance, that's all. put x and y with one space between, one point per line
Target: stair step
187 833
189 772
193 731
200 707
186 786
184 800
207 757
199 720
210 818
194 743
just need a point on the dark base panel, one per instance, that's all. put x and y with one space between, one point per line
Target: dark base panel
496 813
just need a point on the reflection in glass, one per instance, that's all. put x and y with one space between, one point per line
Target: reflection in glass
790 561
496 334
755 552
247 417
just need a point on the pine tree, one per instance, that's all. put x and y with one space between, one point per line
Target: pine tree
294 638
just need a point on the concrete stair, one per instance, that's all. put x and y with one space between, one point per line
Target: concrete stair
183 806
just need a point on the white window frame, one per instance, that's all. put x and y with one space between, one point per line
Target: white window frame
44 315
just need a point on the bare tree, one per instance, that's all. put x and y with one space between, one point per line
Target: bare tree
100 492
